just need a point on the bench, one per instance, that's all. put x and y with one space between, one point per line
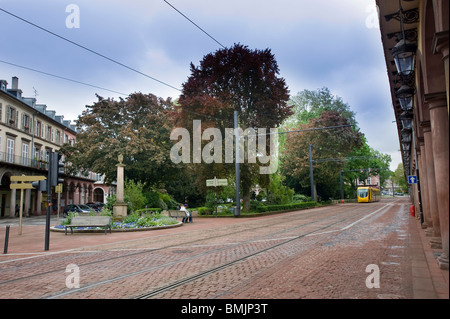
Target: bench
90 221
178 213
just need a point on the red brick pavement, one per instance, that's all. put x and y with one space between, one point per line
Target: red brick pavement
426 279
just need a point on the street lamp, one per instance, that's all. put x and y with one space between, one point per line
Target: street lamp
406 119
404 51
405 146
406 136
405 96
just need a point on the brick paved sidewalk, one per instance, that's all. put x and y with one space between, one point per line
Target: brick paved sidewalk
428 281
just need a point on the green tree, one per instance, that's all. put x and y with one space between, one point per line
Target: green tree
277 192
398 178
330 148
308 105
364 162
133 195
137 127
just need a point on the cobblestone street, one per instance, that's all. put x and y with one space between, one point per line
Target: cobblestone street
322 253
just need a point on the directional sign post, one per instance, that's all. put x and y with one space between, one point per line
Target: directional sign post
58 190
412 179
216 182
22 185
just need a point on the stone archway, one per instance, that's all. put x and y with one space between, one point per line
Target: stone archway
99 195
5 194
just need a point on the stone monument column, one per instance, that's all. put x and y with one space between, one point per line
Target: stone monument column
120 207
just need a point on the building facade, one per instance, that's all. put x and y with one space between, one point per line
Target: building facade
414 35
28 132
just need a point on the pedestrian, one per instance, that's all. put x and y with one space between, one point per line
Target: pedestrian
187 217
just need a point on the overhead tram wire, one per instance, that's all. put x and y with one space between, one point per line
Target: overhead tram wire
90 50
61 77
195 24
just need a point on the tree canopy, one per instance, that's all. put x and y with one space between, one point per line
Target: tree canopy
230 79
335 151
330 146
138 127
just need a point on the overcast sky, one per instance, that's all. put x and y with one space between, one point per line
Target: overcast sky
320 43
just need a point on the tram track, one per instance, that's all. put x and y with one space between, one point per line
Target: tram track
343 215
224 266
201 274
63 259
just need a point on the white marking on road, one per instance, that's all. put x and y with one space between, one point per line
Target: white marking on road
352 224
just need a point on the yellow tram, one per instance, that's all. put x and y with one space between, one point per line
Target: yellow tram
368 194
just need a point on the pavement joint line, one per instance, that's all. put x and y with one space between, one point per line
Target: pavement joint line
38 254
385 208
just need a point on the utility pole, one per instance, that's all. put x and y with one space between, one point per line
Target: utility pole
311 176
49 198
237 211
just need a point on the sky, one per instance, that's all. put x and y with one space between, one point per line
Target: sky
320 43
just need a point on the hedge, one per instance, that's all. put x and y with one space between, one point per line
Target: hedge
271 208
146 210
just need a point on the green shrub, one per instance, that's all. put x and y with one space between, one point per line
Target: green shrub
152 210
204 210
272 208
70 215
301 198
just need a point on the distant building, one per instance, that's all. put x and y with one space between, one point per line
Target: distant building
28 131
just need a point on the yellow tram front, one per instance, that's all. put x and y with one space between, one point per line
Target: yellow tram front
368 194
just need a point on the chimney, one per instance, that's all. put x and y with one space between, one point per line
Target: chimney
15 83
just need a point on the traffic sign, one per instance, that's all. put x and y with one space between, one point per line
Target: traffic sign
216 182
21 186
412 179
24 178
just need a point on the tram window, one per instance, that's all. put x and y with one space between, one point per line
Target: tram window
363 193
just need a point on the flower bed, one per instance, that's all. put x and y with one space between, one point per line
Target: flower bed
133 222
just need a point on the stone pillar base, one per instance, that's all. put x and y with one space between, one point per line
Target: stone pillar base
120 210
436 243
443 261
429 232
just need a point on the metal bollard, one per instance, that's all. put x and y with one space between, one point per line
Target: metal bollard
5 249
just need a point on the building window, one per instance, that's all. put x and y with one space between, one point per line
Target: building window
37 131
58 137
48 136
26 122
11 116
25 147
35 157
10 150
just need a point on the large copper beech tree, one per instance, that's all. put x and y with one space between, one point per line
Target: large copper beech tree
230 79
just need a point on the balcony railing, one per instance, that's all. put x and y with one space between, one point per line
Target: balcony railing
38 164
23 161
